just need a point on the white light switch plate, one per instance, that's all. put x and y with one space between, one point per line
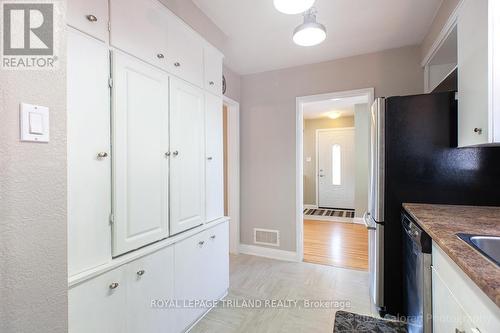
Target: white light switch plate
34 123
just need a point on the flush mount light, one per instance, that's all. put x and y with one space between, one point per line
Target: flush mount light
310 32
334 114
293 6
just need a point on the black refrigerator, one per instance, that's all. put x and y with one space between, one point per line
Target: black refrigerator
414 158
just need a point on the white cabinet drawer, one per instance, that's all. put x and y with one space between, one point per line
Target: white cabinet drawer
139 27
89 16
98 305
213 70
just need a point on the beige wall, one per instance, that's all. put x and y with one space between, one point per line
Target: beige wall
33 263
268 127
444 12
362 139
310 127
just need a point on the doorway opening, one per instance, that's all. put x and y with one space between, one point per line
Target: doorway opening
333 178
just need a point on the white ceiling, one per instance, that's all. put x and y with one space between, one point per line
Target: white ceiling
260 37
320 109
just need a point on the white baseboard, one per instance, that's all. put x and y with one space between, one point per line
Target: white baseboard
268 252
310 206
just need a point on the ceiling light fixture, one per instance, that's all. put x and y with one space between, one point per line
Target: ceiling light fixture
293 6
310 32
334 114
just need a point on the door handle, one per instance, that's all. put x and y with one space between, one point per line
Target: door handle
366 217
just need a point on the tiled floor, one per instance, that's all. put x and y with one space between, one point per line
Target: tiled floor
259 278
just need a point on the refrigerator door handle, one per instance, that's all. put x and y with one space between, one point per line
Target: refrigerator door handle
366 220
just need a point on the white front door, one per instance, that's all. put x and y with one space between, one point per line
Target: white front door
336 168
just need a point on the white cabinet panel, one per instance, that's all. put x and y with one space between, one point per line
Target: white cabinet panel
149 279
89 185
187 147
478 73
98 305
90 16
217 261
185 52
214 157
140 27
189 277
213 70
140 141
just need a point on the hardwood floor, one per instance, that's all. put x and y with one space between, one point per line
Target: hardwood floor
254 278
336 244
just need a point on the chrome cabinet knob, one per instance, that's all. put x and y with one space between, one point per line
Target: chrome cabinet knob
175 153
160 56
212 237
141 272
102 155
211 83
200 243
167 154
210 158
91 18
177 64
478 130
113 285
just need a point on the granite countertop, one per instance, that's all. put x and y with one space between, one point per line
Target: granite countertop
442 222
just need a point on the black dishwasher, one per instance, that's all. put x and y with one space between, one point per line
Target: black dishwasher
417 277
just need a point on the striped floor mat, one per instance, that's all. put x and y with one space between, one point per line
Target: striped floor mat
329 212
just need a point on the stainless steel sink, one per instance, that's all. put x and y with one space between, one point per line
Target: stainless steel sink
489 246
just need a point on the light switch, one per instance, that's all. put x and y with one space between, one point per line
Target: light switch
34 123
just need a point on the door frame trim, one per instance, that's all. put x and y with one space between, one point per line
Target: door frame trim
299 155
233 172
316 175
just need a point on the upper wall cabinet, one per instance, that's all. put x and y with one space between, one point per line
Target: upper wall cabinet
89 16
213 70
185 52
140 28
479 73
140 130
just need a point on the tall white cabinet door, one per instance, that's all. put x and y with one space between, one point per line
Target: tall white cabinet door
187 148
89 165
98 305
139 27
214 157
90 16
150 279
140 143
473 77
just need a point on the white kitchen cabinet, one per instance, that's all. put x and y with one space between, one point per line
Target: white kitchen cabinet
185 52
213 69
216 277
89 16
140 27
187 156
214 157
89 163
478 73
99 305
458 304
140 144
149 279
201 270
